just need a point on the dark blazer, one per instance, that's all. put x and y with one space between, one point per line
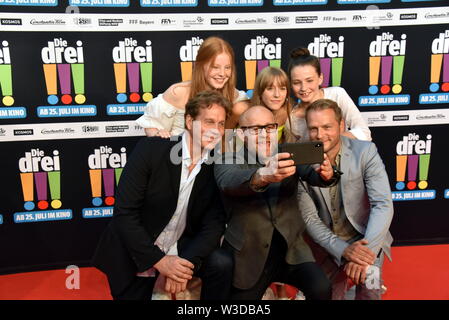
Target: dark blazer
146 200
253 216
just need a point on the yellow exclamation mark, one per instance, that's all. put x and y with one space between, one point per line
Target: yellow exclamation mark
28 190
51 83
95 185
186 70
374 70
436 61
250 70
401 165
120 81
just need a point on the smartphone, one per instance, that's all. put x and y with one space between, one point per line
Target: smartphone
309 152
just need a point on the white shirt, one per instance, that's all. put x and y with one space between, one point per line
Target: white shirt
162 115
167 241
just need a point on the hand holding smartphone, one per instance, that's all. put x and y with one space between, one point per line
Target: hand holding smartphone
309 152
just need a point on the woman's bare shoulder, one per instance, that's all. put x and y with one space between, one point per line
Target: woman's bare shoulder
178 94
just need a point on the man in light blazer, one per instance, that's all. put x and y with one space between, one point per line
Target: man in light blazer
264 230
350 221
168 218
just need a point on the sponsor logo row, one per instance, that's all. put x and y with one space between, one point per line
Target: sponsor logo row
406 117
70 130
285 19
187 3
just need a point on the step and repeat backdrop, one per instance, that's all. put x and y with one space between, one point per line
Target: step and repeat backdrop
74 75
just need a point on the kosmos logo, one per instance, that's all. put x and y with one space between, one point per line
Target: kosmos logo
187 55
412 168
439 71
105 169
260 53
331 54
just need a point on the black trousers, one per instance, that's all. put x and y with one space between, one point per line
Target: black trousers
308 277
215 273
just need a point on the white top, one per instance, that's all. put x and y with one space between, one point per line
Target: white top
241 96
160 114
354 121
167 240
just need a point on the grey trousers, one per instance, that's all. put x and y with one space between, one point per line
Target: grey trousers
371 290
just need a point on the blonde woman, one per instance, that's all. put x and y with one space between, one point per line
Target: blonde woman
272 90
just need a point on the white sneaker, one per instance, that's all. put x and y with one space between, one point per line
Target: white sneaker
300 296
269 295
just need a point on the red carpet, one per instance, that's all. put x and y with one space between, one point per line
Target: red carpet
417 273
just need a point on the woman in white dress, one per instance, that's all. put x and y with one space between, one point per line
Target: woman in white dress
214 69
306 79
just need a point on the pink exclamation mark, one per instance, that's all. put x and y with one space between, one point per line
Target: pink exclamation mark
445 85
412 170
108 182
134 81
325 64
262 64
64 82
40 179
386 65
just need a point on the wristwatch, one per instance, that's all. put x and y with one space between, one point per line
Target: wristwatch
337 173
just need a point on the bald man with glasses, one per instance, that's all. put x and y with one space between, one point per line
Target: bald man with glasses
264 226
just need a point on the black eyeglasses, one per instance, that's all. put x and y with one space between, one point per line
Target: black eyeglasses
255 130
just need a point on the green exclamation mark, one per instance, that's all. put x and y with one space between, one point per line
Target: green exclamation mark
6 84
398 68
54 181
118 173
424 161
275 63
78 82
337 68
146 73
